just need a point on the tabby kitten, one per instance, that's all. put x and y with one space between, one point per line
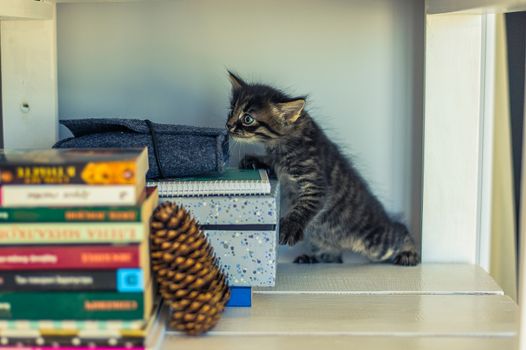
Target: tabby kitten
332 206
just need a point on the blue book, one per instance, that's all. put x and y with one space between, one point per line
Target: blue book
240 297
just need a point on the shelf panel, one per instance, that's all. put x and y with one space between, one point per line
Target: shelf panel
432 6
26 9
335 343
382 279
372 315
474 6
452 306
99 1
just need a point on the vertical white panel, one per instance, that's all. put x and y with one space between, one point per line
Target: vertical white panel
522 250
29 83
452 136
487 127
502 244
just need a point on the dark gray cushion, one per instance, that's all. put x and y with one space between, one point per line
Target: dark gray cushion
182 150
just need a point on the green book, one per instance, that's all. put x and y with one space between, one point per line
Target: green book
71 214
75 306
231 182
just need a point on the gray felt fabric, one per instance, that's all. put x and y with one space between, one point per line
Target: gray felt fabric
183 150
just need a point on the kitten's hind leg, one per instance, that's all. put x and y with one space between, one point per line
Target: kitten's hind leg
330 257
306 259
392 243
320 256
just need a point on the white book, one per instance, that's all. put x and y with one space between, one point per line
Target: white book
68 195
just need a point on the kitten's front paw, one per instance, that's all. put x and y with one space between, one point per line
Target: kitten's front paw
251 162
410 258
290 232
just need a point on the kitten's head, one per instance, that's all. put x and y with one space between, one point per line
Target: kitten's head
260 113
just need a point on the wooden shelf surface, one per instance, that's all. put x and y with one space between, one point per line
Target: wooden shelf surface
336 343
382 279
372 315
434 306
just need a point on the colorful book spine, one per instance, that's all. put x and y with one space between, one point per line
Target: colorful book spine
68 337
72 305
66 214
121 280
74 327
64 233
135 334
89 172
59 343
69 257
20 342
69 348
71 195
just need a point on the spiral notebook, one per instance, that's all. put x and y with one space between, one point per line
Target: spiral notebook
231 182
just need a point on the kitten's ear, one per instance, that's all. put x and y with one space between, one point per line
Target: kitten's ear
237 82
291 110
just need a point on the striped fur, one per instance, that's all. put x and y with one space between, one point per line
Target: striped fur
332 205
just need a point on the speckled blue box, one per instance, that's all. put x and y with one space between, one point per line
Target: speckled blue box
243 232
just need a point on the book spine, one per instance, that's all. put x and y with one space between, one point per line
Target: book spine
63 233
69 257
64 214
71 326
70 195
38 341
69 348
71 305
121 280
113 172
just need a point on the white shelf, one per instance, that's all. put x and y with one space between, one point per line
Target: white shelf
432 6
372 315
99 1
450 306
336 343
474 6
382 279
26 9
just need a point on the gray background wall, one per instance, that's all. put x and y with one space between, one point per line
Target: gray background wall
360 61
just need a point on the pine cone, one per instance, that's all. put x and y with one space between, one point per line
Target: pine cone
186 270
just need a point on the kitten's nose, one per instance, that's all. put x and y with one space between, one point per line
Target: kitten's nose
231 127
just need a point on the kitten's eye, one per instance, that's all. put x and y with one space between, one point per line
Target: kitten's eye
248 119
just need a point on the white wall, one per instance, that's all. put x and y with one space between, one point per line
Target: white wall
361 62
29 76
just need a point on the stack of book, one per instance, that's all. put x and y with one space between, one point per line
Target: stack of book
238 211
74 249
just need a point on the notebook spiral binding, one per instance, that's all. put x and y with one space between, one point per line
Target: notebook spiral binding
180 188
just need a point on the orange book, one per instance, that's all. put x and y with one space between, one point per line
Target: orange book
73 166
